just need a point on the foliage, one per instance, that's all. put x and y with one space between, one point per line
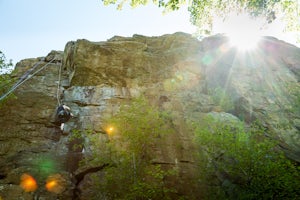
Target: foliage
5 78
5 67
136 128
202 12
236 163
222 98
293 91
76 139
139 124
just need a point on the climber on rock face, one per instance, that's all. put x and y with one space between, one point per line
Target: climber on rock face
63 114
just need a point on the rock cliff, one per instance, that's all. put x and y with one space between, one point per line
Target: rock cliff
176 72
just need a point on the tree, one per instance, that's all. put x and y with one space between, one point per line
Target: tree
5 78
202 12
5 66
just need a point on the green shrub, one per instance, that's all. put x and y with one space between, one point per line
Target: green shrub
136 128
293 92
239 164
6 81
221 98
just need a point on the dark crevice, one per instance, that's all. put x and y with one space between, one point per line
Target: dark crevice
83 104
186 161
3 176
79 177
161 163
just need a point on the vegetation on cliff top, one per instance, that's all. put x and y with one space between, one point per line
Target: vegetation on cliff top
202 12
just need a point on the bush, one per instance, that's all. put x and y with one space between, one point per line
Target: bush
221 98
129 149
239 164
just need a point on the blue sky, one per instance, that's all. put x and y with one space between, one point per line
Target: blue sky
33 28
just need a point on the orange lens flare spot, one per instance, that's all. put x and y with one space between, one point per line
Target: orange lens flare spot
28 183
110 129
55 183
51 184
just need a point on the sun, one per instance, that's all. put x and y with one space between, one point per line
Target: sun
243 42
243 31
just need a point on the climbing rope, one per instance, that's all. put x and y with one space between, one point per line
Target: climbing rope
25 78
28 73
22 77
58 85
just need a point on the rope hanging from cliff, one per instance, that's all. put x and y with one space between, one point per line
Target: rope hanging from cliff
22 78
25 78
58 85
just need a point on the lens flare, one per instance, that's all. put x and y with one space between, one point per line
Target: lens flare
55 183
28 183
110 129
46 164
243 30
243 42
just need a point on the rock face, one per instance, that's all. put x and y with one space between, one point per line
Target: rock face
176 72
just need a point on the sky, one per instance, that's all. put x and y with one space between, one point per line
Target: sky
33 28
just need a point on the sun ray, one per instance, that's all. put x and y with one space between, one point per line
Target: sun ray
243 41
